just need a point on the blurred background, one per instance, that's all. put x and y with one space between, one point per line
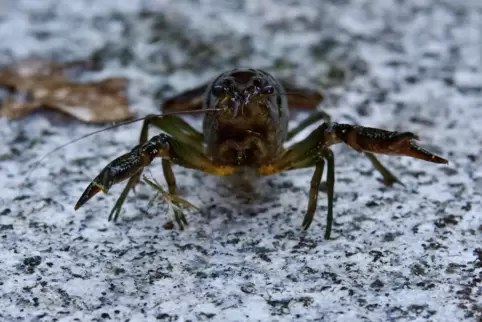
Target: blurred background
399 254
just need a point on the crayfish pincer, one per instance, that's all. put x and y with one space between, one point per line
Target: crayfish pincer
246 125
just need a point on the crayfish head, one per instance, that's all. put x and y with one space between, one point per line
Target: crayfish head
242 88
251 125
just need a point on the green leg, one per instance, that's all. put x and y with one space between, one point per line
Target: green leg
311 152
330 182
169 176
388 177
176 127
315 182
172 188
314 190
114 213
315 117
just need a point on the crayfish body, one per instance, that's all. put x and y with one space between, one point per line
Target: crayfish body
246 125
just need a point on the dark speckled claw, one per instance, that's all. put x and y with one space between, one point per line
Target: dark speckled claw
93 188
116 171
367 139
124 167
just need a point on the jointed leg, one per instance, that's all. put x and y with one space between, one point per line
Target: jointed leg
114 213
330 182
176 127
388 177
314 189
172 188
169 176
314 117
308 153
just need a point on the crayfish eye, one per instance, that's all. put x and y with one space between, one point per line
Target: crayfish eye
227 83
257 82
268 89
218 90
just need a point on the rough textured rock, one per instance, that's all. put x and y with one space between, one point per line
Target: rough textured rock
399 254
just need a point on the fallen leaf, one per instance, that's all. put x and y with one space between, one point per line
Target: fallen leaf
37 83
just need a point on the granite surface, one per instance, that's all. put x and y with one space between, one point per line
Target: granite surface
410 253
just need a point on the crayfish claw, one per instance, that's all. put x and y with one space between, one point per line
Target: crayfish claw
373 140
415 151
92 189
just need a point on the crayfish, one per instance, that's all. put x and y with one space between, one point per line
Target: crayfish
246 126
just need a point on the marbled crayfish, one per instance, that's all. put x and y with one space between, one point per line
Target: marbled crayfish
246 126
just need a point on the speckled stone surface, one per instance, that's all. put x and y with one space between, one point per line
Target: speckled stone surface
408 253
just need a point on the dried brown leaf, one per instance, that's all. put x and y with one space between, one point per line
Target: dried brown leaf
37 83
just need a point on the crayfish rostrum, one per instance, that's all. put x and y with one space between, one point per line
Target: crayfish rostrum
246 125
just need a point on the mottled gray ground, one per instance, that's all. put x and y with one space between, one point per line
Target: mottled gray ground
399 254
